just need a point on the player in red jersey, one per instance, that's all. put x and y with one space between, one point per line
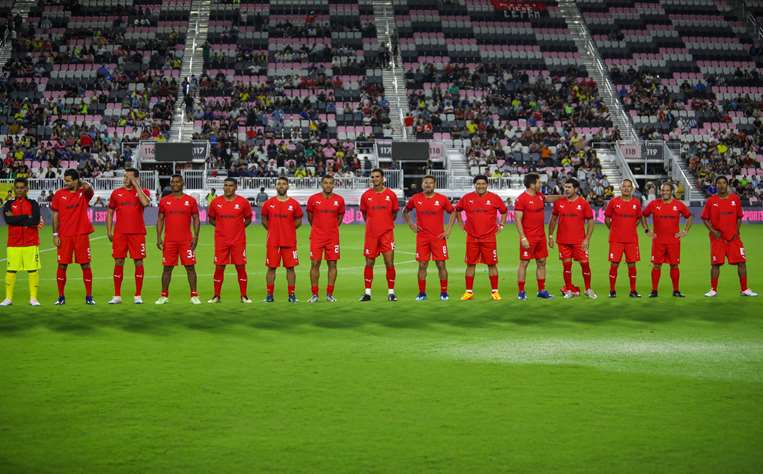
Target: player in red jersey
622 217
379 207
480 207
71 231
325 212
230 215
575 219
722 216
281 216
127 204
431 234
666 215
179 213
529 217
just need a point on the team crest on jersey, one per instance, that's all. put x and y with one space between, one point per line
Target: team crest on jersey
336 203
291 207
186 203
675 208
236 206
386 198
733 203
437 203
579 207
487 202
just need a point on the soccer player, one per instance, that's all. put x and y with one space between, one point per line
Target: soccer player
71 231
325 212
127 204
230 215
22 215
722 216
622 217
481 207
379 207
431 234
179 213
666 236
529 217
575 219
281 217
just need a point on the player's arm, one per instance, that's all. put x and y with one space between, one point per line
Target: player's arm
520 230
89 193
145 201
709 225
589 223
159 230
687 226
451 223
298 222
408 221
10 219
265 220
551 198
608 222
35 219
196 224
55 225
110 224
551 229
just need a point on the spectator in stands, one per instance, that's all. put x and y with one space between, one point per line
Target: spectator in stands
262 196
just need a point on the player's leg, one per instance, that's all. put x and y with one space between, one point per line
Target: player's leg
492 272
170 255
87 279
489 255
368 275
10 284
567 274
715 273
422 277
615 256
137 244
270 282
139 275
469 280
217 283
82 256
119 271
331 278
290 260
742 273
581 256
315 272
391 273
243 283
65 253
632 256
61 281
675 276
34 286
540 276
291 283
656 273
521 276
442 273
166 278
190 271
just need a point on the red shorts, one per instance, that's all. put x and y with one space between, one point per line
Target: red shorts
431 249
538 249
666 252
324 249
276 255
77 246
174 250
573 251
135 243
721 250
375 245
230 253
617 249
481 251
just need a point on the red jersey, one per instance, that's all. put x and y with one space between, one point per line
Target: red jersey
72 208
326 214
533 215
379 209
723 214
230 219
667 217
178 213
625 216
480 214
572 216
282 230
22 224
430 214
128 211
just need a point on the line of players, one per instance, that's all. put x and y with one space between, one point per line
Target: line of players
178 227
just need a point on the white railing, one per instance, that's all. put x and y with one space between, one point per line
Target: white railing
196 179
148 180
677 173
446 179
623 166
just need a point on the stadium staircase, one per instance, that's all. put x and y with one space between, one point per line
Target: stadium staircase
393 75
20 7
597 71
193 65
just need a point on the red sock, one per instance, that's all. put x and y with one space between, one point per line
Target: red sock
87 277
656 277
586 267
368 276
567 272
139 280
743 283
674 277
541 284
470 283
521 285
119 272
290 289
391 274
270 289
422 286
714 284
243 279
330 290
444 286
493 282
217 279
61 280
612 277
314 289
194 293
632 277
166 293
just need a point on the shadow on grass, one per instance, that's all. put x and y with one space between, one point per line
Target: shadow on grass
281 317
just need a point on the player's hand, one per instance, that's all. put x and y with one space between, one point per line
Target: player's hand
499 228
56 241
716 233
8 214
524 242
41 224
550 241
414 228
680 235
160 244
585 244
110 235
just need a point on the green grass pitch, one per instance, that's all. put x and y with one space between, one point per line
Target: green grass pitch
537 386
